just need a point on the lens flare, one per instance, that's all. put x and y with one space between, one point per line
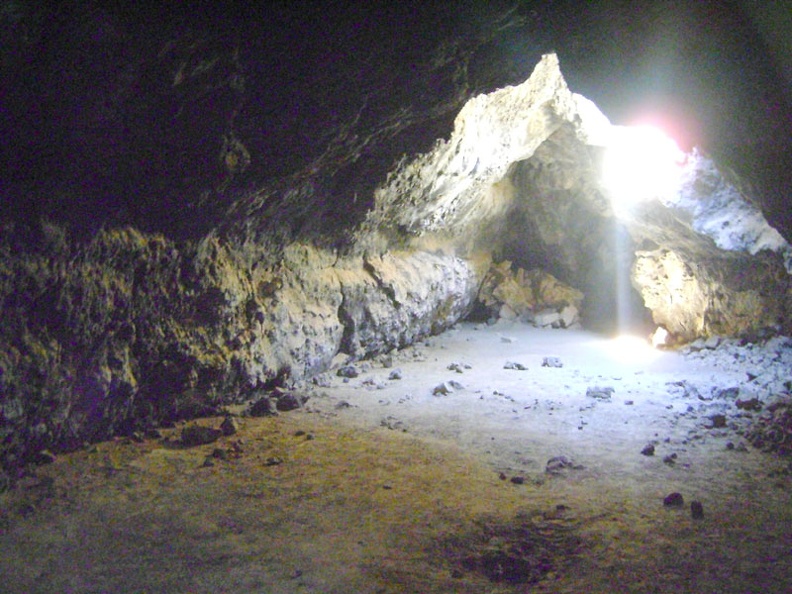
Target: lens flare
641 163
631 349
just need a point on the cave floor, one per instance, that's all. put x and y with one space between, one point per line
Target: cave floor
379 485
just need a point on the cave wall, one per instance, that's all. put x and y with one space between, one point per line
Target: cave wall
186 222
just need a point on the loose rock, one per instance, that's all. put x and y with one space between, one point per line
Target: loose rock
696 510
648 450
263 407
552 362
674 500
514 365
600 393
290 401
195 435
229 426
348 371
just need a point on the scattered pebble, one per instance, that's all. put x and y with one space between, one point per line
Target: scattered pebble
347 371
696 510
518 480
674 500
552 362
396 374
195 435
229 426
648 450
600 392
442 389
263 407
515 365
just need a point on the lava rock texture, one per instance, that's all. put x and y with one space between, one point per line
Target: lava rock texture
186 224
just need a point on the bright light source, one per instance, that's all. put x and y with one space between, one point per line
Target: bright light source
631 349
641 163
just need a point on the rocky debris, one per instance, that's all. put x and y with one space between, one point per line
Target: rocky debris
273 461
459 367
348 371
751 404
446 388
517 480
286 401
393 424
552 362
648 450
670 459
696 510
559 464
441 390
395 374
532 296
684 389
229 426
772 430
263 407
718 421
195 435
600 392
322 380
515 365
674 500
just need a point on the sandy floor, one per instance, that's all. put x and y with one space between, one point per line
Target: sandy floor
382 485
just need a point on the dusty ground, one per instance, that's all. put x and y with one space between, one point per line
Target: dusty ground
379 485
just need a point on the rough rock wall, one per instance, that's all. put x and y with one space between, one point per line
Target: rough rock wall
131 329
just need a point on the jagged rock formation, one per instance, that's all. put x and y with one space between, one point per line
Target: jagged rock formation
132 328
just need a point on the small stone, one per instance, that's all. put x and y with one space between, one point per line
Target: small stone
600 392
648 450
729 445
502 476
456 385
557 464
696 510
670 459
273 461
674 500
229 426
552 362
396 374
290 401
629 402
442 390
208 462
753 404
195 435
518 480
514 365
220 454
263 407
718 421
348 371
